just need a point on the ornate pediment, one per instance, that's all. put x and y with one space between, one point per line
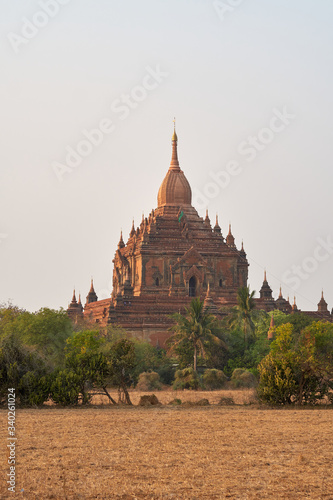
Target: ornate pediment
190 258
194 271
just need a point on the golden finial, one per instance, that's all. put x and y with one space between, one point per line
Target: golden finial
174 136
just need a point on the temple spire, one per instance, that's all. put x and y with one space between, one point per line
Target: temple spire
209 303
242 251
322 304
207 219
74 297
132 230
174 165
75 309
91 297
121 243
294 306
217 228
266 291
230 239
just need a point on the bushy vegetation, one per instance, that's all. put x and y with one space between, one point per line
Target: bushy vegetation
44 356
149 381
243 378
299 367
186 379
214 379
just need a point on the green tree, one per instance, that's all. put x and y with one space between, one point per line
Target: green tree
194 332
298 320
122 359
94 363
147 357
242 315
46 331
299 367
23 369
86 364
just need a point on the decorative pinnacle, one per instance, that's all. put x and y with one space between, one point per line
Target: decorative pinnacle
132 231
265 278
174 165
174 136
280 295
121 243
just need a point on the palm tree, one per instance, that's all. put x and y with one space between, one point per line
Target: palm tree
242 315
195 327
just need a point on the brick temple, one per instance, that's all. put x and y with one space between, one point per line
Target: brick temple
173 256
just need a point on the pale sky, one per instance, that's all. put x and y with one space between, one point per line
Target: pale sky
250 83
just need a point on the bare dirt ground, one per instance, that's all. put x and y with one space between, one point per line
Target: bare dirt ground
172 452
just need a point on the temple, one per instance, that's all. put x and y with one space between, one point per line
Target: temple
171 257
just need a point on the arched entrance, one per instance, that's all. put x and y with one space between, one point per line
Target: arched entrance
192 286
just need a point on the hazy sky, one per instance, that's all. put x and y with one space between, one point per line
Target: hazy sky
250 83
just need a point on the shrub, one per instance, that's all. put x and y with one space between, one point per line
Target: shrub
65 388
149 400
186 379
225 401
23 369
202 402
237 373
34 390
243 378
299 367
175 401
149 381
166 372
214 379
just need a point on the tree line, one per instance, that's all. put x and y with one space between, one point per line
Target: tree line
44 356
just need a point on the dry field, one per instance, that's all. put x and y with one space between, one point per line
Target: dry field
172 452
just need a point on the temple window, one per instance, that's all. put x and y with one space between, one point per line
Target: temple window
192 287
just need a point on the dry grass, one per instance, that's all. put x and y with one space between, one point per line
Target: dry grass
214 452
